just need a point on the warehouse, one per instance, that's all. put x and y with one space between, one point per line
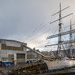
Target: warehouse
33 56
11 45
11 50
19 52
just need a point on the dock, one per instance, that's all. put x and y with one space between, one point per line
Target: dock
30 68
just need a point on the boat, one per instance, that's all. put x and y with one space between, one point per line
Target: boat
60 61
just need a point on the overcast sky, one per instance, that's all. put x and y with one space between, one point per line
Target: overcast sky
29 20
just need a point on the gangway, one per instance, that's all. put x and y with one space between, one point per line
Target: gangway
35 51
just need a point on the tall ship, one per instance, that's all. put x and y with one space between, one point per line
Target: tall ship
59 60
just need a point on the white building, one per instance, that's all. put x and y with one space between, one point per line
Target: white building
11 49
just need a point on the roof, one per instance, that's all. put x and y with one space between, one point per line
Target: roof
13 41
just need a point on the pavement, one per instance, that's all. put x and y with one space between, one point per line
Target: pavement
3 71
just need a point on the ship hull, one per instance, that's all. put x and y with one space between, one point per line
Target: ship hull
60 64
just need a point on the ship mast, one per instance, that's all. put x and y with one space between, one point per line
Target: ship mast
59 38
70 39
60 34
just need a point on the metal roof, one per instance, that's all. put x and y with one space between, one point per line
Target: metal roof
13 41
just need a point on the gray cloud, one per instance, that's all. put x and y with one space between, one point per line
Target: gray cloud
19 18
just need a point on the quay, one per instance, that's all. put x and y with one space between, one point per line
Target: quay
36 68
31 68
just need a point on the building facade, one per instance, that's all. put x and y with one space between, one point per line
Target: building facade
12 50
12 45
18 51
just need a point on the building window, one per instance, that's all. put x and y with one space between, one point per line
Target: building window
24 48
0 46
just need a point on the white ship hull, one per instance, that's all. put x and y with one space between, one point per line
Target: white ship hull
58 64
